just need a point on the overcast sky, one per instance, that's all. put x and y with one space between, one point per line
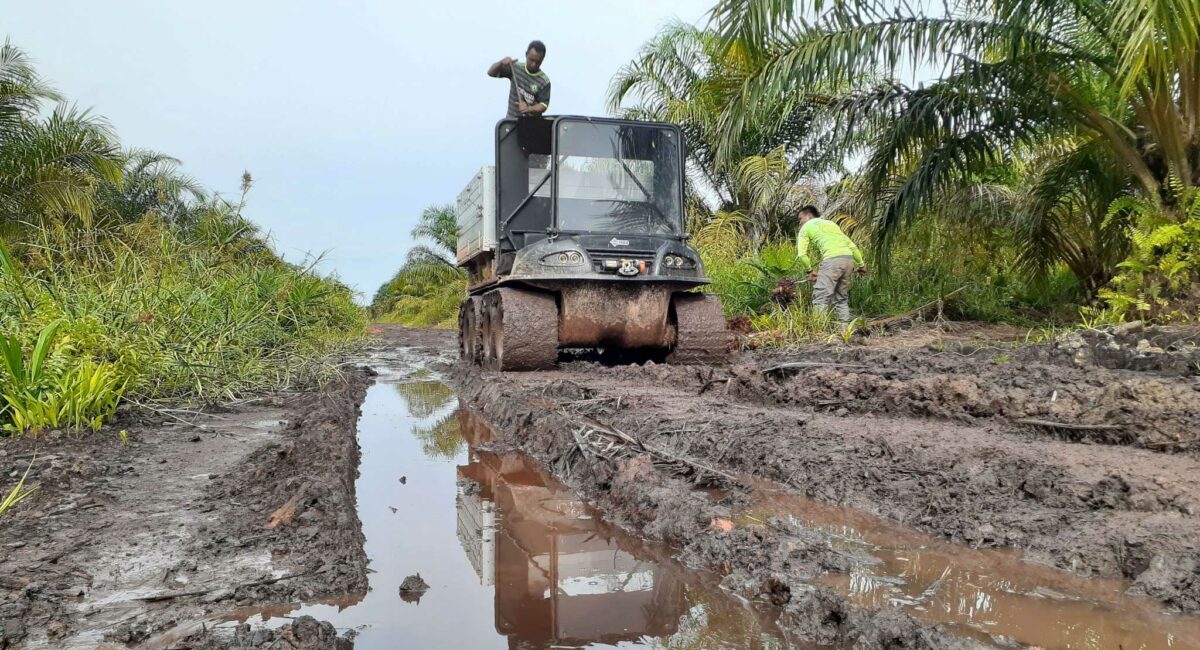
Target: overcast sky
352 115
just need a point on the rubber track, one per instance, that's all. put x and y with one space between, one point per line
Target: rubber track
702 336
470 343
525 327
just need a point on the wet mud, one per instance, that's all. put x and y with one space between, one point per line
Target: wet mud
486 550
957 495
1031 389
644 441
132 544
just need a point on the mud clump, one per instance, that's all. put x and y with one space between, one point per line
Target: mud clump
304 633
1134 346
413 588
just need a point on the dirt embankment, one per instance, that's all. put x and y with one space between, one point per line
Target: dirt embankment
139 543
954 444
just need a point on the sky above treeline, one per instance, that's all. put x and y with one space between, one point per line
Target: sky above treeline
351 115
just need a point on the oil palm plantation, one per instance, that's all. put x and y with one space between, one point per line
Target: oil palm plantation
428 287
687 75
1094 99
50 167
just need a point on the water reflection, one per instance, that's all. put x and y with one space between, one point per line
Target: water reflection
429 400
988 594
563 578
512 558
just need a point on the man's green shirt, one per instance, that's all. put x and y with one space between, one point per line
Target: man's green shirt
530 87
829 240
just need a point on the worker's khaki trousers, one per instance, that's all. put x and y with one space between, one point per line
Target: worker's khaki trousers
832 288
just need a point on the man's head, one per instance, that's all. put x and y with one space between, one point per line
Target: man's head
534 55
809 212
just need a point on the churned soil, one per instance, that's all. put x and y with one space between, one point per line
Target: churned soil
138 542
1073 459
1079 453
1059 390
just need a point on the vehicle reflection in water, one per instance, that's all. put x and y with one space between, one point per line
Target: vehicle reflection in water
563 578
536 572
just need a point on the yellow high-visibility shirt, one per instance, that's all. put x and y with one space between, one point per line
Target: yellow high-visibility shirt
829 240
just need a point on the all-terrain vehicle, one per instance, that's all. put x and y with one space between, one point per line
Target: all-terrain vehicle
576 239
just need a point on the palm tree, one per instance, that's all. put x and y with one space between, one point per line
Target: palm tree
687 75
21 89
429 273
439 223
1075 89
151 183
49 168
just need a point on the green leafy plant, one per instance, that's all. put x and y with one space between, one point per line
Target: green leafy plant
82 395
1161 278
845 331
18 492
794 324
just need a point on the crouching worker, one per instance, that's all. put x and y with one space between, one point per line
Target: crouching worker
840 257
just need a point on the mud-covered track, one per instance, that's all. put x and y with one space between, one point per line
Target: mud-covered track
138 543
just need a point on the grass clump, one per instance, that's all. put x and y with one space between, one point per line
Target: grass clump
123 280
150 312
18 492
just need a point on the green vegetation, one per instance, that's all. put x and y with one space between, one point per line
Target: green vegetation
1051 165
17 493
428 288
121 280
1048 174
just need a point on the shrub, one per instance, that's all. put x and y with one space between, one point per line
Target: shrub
149 312
1161 278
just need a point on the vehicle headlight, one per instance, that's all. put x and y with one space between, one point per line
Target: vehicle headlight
563 258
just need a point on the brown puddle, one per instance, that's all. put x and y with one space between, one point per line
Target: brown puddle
564 578
990 595
513 559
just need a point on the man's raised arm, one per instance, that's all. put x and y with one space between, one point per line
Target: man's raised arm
501 68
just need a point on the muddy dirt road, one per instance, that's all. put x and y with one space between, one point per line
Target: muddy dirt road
1022 495
950 494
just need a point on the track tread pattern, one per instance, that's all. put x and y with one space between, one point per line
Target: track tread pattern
523 330
702 336
470 342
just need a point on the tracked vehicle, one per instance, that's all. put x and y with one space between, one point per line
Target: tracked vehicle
575 239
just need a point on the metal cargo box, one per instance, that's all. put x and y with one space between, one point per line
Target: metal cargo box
477 216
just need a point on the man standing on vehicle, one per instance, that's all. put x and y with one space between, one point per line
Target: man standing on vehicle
839 257
530 91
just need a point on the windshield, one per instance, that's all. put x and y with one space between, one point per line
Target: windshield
618 178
